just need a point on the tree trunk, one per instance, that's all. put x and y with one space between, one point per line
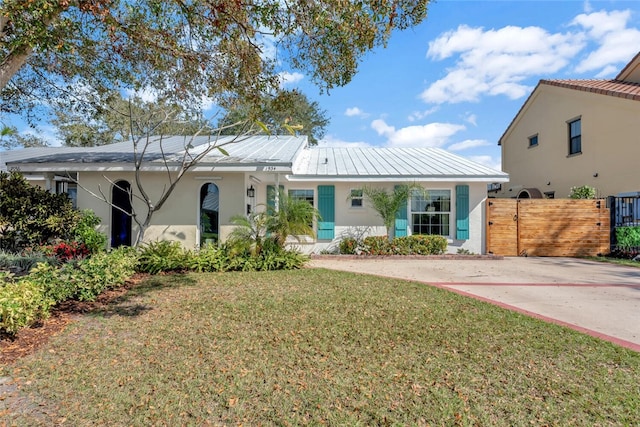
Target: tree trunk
12 64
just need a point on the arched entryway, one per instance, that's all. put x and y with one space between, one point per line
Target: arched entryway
121 214
209 207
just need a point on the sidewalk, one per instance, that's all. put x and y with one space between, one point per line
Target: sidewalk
599 299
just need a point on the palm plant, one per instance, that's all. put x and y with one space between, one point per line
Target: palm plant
294 217
250 230
387 204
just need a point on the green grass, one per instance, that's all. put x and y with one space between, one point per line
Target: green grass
324 347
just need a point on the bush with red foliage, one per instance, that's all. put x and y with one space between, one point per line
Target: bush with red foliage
66 251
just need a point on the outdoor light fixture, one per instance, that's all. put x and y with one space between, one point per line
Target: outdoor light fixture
251 192
595 175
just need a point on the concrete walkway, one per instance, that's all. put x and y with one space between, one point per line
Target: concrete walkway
599 299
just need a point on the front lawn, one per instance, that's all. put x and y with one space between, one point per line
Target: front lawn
322 347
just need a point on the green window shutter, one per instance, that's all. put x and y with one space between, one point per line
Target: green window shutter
462 212
271 196
327 210
401 221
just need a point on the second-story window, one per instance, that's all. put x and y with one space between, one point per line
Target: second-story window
533 141
575 137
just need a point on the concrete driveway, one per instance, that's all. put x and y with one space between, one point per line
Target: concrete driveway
599 299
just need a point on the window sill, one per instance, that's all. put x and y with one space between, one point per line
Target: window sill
579 153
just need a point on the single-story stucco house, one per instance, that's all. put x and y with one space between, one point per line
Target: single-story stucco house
238 181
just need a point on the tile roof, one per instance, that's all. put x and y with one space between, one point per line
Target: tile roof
390 164
616 88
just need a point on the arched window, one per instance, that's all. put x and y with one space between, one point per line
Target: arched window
209 207
121 214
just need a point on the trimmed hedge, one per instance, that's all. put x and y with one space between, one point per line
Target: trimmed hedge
406 245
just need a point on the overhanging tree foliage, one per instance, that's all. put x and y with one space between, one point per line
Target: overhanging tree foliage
76 50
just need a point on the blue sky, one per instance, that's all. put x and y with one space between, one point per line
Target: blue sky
458 79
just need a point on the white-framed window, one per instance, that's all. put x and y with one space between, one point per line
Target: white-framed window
70 189
303 194
356 198
431 212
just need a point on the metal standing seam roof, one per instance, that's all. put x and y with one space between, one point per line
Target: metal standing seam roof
306 163
281 150
387 163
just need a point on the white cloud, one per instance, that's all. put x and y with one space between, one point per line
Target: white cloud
430 135
617 43
331 141
497 62
472 119
287 78
467 144
500 61
355 112
487 161
419 115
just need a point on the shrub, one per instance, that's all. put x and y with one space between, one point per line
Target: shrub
68 251
274 257
22 304
377 245
583 192
406 245
31 216
236 257
86 232
163 256
628 237
22 263
56 283
102 271
421 244
210 258
348 245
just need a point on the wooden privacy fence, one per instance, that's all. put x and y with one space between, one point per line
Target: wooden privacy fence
547 227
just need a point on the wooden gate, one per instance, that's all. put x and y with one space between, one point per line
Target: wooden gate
547 227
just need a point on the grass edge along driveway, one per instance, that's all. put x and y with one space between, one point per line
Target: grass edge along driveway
322 347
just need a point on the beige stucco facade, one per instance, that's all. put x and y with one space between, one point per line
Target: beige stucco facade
610 144
220 186
178 219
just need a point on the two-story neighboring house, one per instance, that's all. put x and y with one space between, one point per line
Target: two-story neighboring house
572 133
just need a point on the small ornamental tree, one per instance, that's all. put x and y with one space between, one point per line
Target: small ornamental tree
31 216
